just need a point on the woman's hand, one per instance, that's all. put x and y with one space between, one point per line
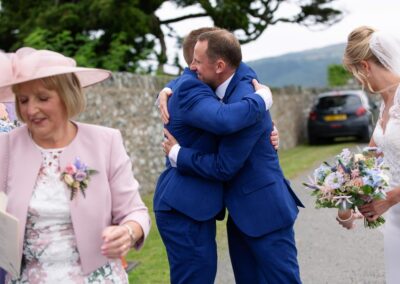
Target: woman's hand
116 242
346 218
376 208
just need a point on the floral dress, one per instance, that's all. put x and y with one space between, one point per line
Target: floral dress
50 253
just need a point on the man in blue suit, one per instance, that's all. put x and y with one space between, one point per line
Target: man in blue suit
186 206
262 206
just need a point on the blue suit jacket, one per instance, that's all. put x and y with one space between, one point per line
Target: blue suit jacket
258 197
194 107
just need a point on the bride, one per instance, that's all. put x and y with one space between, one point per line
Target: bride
373 57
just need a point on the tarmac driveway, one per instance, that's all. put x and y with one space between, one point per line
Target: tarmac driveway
327 252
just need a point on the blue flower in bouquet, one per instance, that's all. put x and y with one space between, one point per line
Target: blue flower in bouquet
321 173
373 178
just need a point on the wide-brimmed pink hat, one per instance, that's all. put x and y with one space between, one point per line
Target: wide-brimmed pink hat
28 64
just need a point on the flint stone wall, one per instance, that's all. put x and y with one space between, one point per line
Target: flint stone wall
126 102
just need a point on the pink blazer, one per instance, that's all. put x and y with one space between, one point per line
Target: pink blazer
112 196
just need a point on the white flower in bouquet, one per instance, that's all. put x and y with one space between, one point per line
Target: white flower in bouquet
334 180
359 157
345 156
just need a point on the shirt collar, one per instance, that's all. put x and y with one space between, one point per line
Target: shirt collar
221 89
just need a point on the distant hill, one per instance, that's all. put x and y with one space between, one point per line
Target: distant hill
307 68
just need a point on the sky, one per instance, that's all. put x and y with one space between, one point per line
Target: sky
284 38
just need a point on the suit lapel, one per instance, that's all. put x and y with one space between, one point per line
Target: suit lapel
235 80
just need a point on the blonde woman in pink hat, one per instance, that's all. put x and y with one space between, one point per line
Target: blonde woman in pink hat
70 184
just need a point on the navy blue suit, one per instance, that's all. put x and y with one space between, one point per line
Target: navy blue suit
262 206
186 205
2 276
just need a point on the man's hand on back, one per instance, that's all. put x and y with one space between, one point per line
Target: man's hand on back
163 104
275 138
264 92
169 142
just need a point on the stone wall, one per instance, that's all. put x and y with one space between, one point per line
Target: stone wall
290 112
126 102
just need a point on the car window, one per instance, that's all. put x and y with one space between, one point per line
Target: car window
338 101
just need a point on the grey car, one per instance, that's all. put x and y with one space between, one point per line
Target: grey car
341 113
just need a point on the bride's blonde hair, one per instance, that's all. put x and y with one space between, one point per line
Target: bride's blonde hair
357 50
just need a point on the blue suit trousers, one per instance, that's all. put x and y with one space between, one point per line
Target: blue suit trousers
191 247
271 258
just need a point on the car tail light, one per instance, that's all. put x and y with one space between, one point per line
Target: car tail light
361 111
313 115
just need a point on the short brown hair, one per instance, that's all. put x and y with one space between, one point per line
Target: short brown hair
67 87
190 41
223 44
357 50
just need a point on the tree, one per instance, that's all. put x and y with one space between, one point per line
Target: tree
338 76
248 19
98 33
121 35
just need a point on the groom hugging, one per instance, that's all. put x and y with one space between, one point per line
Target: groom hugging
240 166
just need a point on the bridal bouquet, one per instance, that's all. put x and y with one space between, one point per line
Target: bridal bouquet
353 180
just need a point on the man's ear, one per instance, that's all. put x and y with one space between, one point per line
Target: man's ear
220 66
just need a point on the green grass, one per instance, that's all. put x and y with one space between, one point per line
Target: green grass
153 264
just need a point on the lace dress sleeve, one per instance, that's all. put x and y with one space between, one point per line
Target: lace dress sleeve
395 109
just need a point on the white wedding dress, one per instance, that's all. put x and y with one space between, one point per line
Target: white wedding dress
388 140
